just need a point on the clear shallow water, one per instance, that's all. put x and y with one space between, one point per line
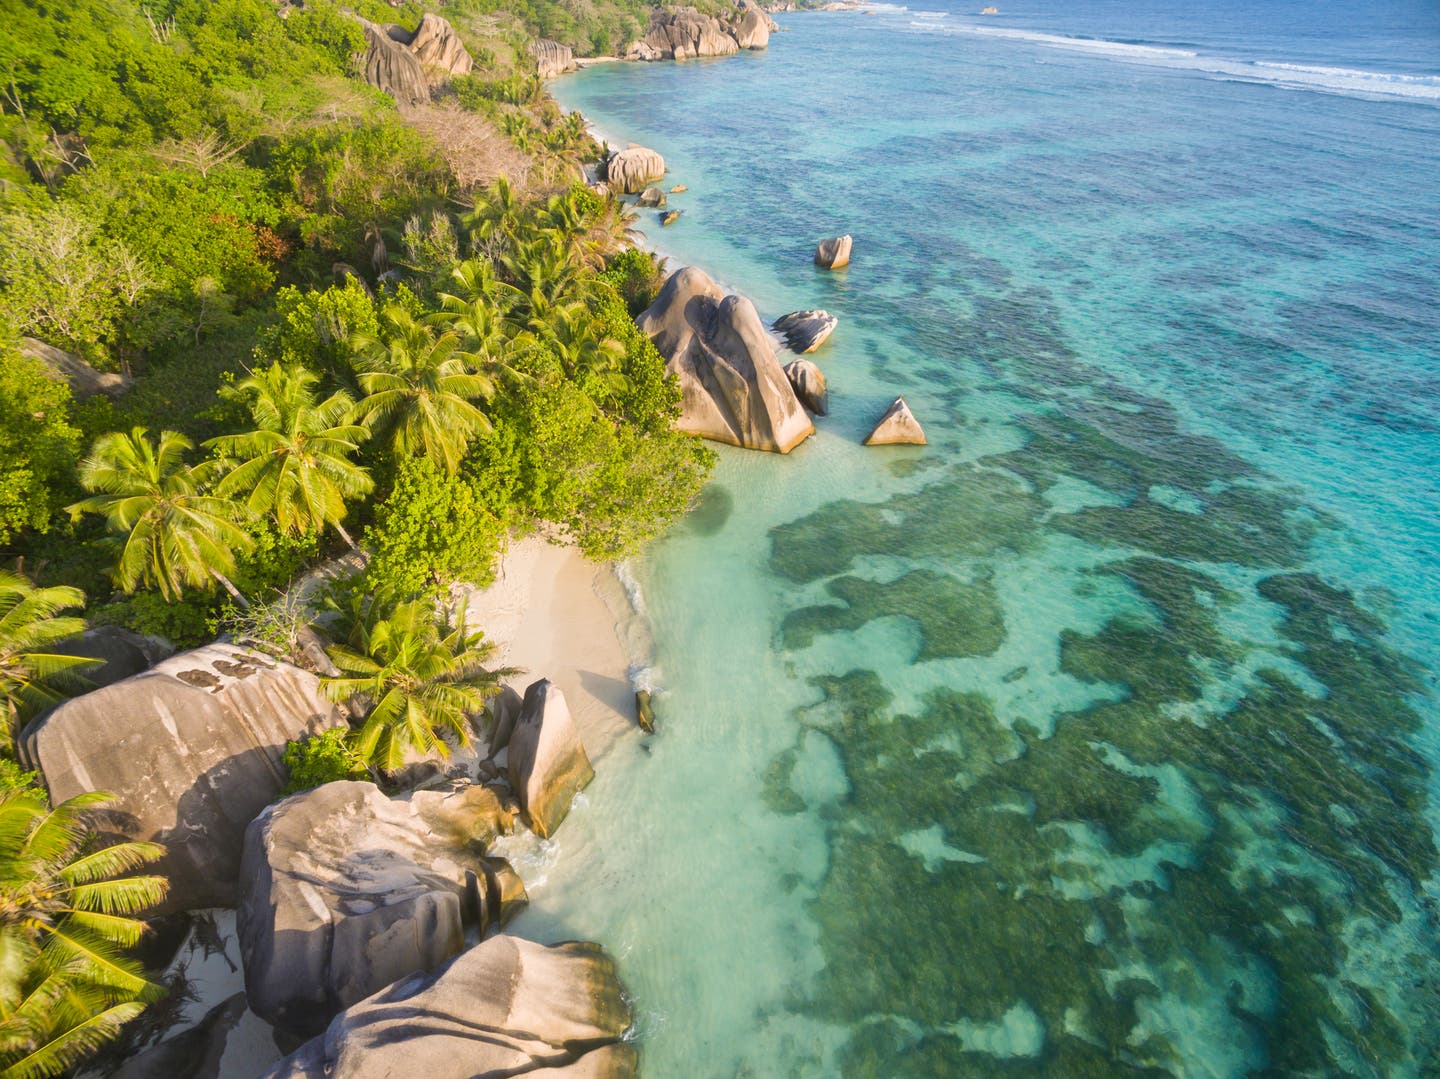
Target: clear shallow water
1096 737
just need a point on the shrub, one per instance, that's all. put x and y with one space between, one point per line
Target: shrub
321 758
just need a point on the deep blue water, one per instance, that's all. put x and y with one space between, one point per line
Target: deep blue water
1098 737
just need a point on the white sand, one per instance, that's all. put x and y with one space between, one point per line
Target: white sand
556 616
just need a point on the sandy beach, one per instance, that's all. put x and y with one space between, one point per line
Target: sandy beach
554 615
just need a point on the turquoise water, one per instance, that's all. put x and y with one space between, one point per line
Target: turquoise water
1098 736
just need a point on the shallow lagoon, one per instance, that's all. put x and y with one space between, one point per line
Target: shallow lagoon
1096 737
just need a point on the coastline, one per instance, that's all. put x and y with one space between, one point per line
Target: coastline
556 616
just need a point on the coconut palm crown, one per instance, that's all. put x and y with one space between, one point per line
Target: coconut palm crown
173 533
32 676
295 464
66 987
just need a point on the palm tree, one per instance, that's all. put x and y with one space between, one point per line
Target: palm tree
545 277
497 218
420 680
66 988
173 534
590 360
296 464
32 677
419 387
475 312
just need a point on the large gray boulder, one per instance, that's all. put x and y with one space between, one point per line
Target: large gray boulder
805 331
546 760
631 170
808 382
84 380
683 34
191 749
505 1007
390 66
118 653
752 29
897 427
344 891
438 48
733 387
551 58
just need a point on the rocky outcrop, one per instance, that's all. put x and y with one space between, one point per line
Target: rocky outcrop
438 48
808 382
805 331
84 380
733 388
631 170
551 58
505 1007
391 67
684 34
652 197
119 654
191 749
670 217
344 891
897 427
547 762
752 30
834 253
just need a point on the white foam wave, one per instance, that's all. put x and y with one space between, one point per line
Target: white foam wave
1335 80
633 592
931 14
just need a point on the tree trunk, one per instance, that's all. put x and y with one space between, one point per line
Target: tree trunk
345 535
230 587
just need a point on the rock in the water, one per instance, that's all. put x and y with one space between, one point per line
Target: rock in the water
683 34
392 67
438 48
678 189
897 427
631 170
805 331
809 383
834 253
547 762
552 58
652 197
121 654
752 30
344 891
191 749
670 217
505 1007
733 388
505 894
84 380
644 712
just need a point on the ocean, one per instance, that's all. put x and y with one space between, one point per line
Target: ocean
1099 736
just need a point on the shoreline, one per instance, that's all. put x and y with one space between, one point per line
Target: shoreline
556 616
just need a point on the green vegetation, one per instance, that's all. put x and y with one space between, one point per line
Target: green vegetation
66 918
421 679
32 677
342 333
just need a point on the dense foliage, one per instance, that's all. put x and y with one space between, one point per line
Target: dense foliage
336 341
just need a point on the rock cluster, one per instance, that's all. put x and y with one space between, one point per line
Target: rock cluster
805 331
685 33
191 749
505 1007
551 58
631 170
404 65
345 891
733 388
